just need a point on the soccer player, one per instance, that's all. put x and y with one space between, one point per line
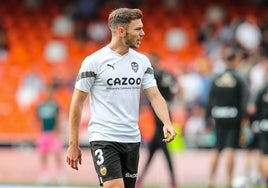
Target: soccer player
262 116
113 77
251 134
227 107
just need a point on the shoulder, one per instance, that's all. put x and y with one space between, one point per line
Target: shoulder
139 56
93 59
215 76
239 77
96 55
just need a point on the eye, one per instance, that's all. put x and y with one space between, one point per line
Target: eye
139 29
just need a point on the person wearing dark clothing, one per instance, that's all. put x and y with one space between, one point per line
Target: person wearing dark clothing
250 143
262 116
166 83
226 107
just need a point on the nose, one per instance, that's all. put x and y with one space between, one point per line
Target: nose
142 33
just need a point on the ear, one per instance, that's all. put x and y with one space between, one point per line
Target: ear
121 31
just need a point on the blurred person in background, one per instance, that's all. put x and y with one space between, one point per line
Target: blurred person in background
49 142
167 86
195 132
248 34
226 107
256 79
29 89
114 76
262 116
250 141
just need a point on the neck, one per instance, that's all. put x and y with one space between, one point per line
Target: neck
118 47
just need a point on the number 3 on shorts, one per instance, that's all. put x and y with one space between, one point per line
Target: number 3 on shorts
99 156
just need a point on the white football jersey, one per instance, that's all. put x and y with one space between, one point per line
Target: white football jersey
114 82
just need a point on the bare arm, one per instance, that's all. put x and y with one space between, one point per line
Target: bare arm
73 153
159 105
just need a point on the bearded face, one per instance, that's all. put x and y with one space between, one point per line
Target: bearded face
134 34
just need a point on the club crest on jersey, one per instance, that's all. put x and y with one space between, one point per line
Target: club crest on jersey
135 66
103 170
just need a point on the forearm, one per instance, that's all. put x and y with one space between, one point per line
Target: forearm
74 123
160 107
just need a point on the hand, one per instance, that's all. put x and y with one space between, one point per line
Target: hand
169 133
74 157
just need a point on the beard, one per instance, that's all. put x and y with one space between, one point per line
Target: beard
129 41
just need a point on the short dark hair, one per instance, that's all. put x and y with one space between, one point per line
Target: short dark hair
123 16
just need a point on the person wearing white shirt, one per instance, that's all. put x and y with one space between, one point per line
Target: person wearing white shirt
113 77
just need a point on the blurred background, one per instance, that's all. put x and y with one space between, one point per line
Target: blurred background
44 41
